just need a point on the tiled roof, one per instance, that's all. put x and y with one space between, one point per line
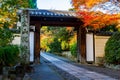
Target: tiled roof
102 33
54 17
52 13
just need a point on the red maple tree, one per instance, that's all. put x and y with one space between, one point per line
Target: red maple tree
91 18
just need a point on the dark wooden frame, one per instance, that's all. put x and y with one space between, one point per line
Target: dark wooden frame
73 21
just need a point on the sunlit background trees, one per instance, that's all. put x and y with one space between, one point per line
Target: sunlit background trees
57 39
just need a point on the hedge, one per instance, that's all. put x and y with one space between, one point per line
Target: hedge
112 49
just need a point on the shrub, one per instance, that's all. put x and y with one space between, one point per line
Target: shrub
55 46
64 45
112 49
6 37
9 55
73 49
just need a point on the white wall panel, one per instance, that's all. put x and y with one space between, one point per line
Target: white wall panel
31 46
89 47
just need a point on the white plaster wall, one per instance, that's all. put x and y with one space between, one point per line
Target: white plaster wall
31 41
89 47
17 39
100 42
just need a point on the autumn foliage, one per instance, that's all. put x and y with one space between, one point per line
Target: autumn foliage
87 3
92 18
97 19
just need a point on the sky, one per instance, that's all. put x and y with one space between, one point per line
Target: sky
54 4
108 7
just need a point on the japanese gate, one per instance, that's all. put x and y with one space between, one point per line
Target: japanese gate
32 20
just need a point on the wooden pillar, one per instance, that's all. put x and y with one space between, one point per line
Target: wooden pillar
81 44
37 44
78 44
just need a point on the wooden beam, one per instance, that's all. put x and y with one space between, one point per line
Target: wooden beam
56 23
37 43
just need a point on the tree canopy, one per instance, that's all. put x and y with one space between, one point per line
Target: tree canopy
93 18
96 19
86 3
8 11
